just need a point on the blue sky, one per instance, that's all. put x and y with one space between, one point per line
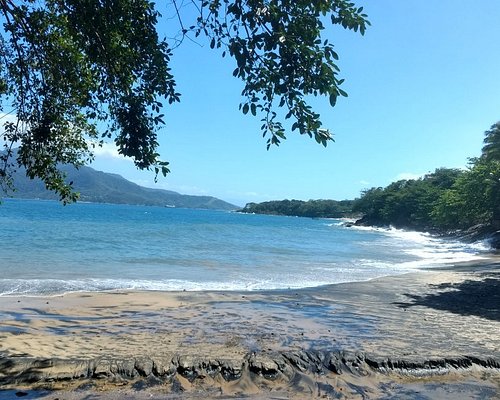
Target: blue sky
423 86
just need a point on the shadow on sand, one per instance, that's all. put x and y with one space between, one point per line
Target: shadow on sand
479 298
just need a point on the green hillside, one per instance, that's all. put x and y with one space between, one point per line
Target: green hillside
101 187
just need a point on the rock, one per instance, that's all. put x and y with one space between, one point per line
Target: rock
230 370
421 366
123 368
486 363
333 362
102 369
149 382
163 367
298 360
67 369
188 367
301 369
263 365
354 362
144 366
494 240
212 367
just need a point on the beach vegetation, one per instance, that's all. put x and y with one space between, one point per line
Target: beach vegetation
491 148
406 203
447 199
76 73
299 208
473 199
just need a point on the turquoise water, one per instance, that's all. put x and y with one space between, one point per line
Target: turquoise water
47 248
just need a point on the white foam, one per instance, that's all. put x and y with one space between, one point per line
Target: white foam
47 287
431 249
366 256
435 251
340 221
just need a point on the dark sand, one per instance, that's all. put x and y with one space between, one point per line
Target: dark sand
410 336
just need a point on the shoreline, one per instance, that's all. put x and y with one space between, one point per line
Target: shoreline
439 325
488 258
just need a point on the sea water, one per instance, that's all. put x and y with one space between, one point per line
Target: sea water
47 248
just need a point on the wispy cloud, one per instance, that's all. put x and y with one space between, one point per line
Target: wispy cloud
109 151
183 189
194 190
363 182
240 193
251 195
408 176
146 183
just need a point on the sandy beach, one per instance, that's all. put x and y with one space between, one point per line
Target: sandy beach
431 334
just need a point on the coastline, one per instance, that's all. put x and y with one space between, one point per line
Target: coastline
474 234
350 340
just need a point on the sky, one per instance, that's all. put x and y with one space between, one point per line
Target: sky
423 85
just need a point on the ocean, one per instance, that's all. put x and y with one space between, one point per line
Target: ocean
50 249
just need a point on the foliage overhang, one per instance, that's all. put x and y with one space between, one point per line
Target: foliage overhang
70 67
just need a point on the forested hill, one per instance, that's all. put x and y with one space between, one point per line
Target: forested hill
447 200
465 203
298 208
100 187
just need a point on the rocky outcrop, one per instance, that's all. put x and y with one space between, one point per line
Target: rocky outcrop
480 233
255 367
477 233
420 367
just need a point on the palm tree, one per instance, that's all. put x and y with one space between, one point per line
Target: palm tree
491 154
491 148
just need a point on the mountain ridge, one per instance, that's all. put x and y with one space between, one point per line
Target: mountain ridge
103 187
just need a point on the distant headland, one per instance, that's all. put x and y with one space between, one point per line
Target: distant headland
101 187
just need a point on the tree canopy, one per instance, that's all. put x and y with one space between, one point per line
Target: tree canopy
70 67
407 203
298 208
491 148
447 199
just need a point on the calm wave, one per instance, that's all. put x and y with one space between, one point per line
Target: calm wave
47 248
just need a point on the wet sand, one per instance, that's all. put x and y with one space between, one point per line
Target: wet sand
395 337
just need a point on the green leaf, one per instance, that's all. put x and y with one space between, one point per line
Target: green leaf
333 99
